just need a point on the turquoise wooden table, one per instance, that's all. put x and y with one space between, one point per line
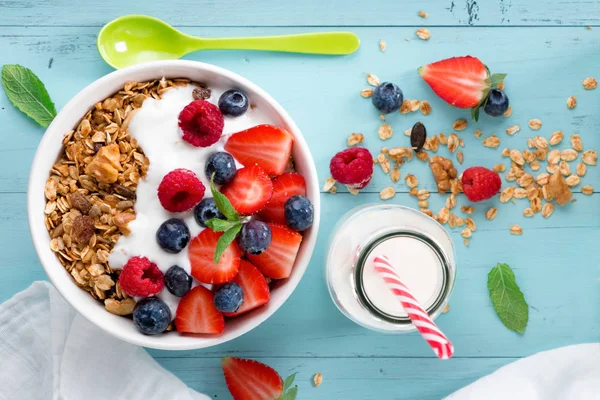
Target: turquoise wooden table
546 51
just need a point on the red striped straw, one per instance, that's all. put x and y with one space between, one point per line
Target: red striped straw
439 343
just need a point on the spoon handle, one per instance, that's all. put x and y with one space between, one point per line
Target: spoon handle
335 43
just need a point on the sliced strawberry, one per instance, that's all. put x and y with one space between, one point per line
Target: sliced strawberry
278 260
196 313
202 252
256 288
268 146
284 186
249 191
251 380
461 81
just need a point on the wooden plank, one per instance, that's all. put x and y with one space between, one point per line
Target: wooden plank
306 13
535 61
551 257
349 378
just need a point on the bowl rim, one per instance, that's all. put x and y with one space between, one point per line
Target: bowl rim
59 277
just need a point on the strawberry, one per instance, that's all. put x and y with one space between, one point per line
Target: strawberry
267 146
480 183
463 82
278 260
255 286
251 380
201 252
284 186
196 313
249 191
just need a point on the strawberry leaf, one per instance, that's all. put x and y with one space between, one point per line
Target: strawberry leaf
290 394
219 225
288 382
497 78
226 239
223 203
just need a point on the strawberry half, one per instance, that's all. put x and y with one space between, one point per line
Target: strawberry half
268 146
284 186
251 380
201 251
256 288
463 82
249 191
278 260
196 313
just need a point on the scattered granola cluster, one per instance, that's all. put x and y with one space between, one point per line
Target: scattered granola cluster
91 191
562 169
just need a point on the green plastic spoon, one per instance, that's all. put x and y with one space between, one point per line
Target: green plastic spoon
133 39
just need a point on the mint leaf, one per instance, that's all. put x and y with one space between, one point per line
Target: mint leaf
288 381
219 225
27 93
225 240
223 203
508 300
290 394
497 78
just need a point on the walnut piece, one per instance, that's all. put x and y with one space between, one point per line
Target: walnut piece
557 188
106 165
443 171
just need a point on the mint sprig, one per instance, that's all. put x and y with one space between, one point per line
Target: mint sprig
27 93
231 226
292 392
509 302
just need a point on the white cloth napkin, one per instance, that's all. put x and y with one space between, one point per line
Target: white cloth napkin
566 373
48 351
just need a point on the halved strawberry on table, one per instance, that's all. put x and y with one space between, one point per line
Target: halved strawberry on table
249 191
196 313
267 146
278 259
255 287
464 82
201 252
284 186
251 380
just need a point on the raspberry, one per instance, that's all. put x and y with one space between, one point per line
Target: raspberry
141 278
480 183
352 167
202 123
180 190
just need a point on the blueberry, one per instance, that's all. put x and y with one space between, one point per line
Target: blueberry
299 213
177 281
387 97
173 235
151 316
222 165
255 237
229 297
233 103
205 210
497 103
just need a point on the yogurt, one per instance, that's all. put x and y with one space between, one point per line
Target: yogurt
155 127
420 250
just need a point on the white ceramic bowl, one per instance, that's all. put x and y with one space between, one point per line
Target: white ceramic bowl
51 145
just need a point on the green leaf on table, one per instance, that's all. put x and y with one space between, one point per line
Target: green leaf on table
290 394
223 203
288 381
509 302
219 225
27 93
225 240
496 79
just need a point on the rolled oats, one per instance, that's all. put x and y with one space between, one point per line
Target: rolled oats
506 194
535 165
547 210
423 33
453 142
478 133
528 156
119 307
554 157
460 157
568 155
366 93
491 141
589 83
373 80
387 193
573 180
467 210
517 157
423 204
511 130
405 108
508 112
411 181
459 124
491 213
425 107
451 201
581 169
499 168
382 45
528 212
564 168
395 175
385 131
519 193
516 230
443 215
423 194
329 183
466 233
571 102
525 180
506 152
423 14
556 138
540 142
535 124
576 142
587 190
317 379
355 138
590 157
536 204
471 224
